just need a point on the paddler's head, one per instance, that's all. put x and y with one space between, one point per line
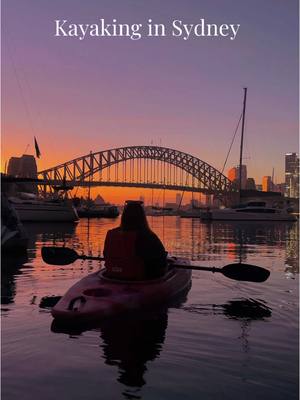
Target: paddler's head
134 217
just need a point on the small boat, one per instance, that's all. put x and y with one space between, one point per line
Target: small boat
98 211
32 209
161 211
194 212
251 211
96 296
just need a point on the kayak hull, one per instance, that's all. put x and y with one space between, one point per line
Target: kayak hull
95 296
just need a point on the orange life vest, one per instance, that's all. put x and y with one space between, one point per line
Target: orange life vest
120 256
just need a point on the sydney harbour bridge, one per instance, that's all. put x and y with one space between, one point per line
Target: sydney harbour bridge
140 166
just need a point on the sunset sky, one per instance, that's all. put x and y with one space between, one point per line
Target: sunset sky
100 93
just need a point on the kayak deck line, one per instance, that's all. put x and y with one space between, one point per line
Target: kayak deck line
103 277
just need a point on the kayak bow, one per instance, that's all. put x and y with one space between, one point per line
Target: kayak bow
96 296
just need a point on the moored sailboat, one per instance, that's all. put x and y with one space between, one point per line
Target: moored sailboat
249 210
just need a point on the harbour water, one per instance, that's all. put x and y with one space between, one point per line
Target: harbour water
222 340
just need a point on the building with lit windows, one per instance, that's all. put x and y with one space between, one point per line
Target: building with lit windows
292 175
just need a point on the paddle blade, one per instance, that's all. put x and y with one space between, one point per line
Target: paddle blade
58 255
245 272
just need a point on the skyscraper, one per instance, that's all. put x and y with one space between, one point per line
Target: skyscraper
267 184
250 184
25 167
292 175
234 175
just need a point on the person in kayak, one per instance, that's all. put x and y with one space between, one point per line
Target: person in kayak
132 251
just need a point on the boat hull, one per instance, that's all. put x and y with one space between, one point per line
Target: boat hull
95 296
45 212
221 215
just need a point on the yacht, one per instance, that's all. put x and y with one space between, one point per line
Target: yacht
98 211
32 209
155 211
251 211
194 212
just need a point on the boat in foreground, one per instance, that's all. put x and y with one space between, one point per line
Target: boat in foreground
96 296
39 210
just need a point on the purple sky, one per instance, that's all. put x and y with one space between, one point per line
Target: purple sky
99 93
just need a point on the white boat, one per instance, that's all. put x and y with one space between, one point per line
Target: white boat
98 211
251 211
161 211
39 210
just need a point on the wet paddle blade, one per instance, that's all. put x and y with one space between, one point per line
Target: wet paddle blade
59 255
245 272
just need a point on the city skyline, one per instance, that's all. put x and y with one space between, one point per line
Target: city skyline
77 96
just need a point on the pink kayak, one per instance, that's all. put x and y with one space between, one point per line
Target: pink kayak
96 296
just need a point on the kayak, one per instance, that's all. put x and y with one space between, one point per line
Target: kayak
96 296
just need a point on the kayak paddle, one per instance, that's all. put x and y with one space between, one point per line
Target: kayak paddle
64 255
238 271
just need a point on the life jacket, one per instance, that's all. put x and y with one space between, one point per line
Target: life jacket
120 256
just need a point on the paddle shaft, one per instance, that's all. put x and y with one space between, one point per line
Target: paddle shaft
185 266
239 271
84 257
197 268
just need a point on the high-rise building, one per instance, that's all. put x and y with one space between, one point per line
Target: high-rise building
250 184
280 187
267 185
292 175
24 167
234 175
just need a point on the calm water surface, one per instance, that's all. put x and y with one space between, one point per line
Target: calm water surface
223 340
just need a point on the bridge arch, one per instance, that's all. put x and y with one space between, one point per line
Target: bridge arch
79 170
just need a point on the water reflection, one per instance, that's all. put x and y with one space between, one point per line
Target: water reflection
129 342
49 232
10 268
243 310
129 346
240 239
238 309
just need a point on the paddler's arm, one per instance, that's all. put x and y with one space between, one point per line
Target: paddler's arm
152 252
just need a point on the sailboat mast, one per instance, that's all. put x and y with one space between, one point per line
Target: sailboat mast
242 140
89 189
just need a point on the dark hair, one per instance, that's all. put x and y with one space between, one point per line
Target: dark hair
134 217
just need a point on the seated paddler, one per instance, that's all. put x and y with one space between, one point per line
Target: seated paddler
132 251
